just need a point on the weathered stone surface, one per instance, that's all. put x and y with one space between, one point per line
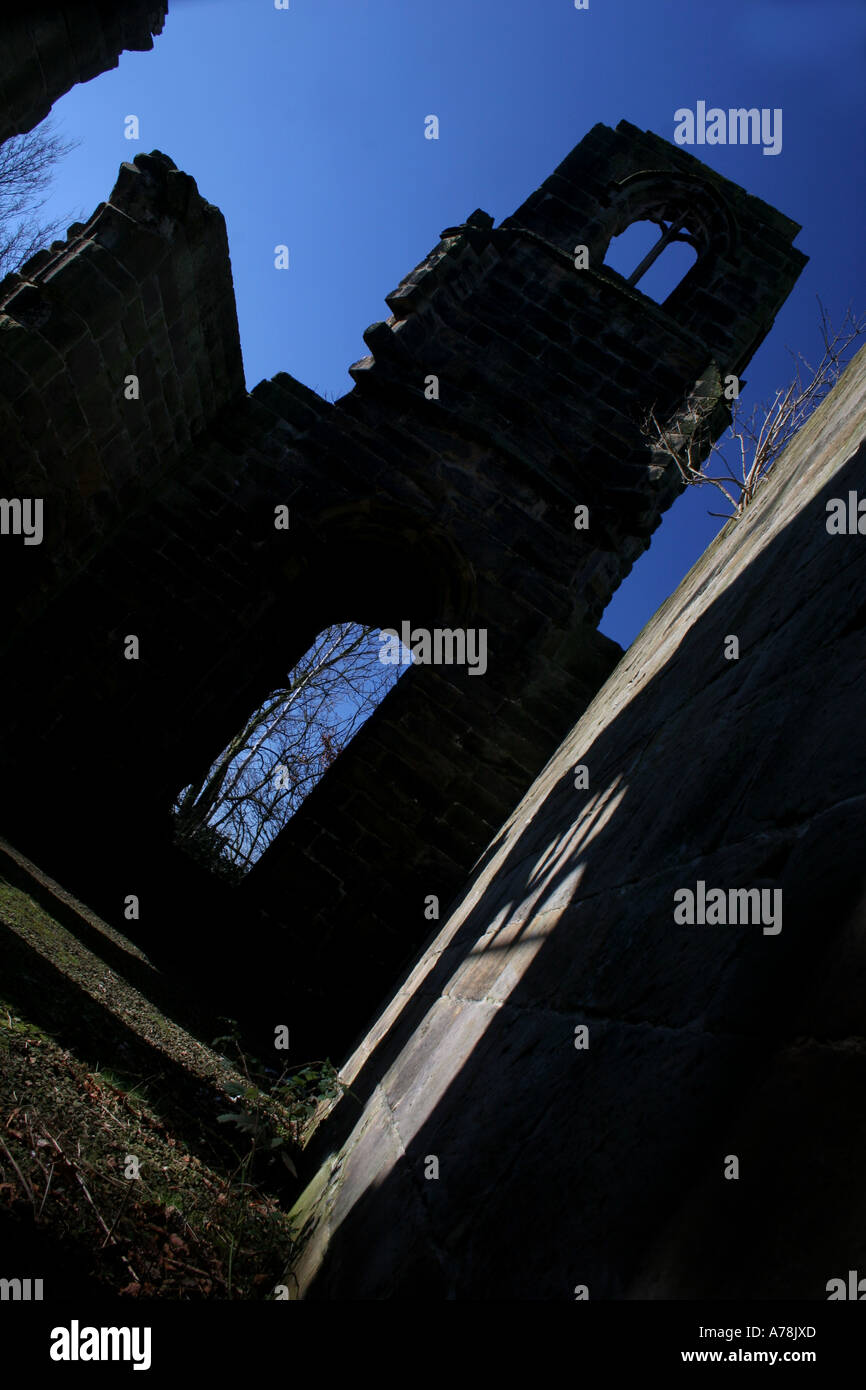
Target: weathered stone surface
605 1166
796 1218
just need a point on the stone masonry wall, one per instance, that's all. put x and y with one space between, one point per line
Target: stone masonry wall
604 1165
142 288
49 48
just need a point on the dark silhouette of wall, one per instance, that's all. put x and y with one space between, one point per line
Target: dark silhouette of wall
45 49
454 511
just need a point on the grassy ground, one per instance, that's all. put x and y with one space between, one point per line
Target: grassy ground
98 1082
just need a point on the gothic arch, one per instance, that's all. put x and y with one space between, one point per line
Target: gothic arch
686 208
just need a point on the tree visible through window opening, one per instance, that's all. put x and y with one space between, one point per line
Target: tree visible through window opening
655 255
229 817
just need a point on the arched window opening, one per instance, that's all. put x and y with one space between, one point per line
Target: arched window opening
657 255
228 818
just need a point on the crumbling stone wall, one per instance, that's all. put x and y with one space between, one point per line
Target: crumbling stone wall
452 509
116 346
46 49
553 1099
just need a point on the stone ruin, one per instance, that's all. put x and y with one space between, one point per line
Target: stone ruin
456 511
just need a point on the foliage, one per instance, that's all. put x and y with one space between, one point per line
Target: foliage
298 1094
270 1129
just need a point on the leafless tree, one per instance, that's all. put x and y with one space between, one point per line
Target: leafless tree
27 166
758 438
271 764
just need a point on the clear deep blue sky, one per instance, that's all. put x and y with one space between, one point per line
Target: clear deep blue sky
306 127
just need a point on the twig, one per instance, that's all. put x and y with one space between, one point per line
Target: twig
27 1188
119 1213
69 1162
45 1193
761 437
80 1181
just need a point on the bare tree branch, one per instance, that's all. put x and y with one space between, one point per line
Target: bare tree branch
756 439
243 801
27 166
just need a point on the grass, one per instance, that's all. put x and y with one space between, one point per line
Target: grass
97 1083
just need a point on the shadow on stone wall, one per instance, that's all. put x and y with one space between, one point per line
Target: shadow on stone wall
604 1167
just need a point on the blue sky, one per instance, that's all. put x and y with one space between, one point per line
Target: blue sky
306 127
